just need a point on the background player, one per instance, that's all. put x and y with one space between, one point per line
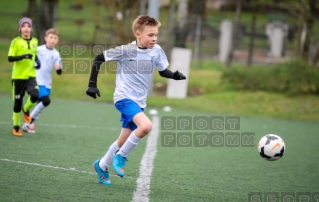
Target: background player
50 59
22 52
136 62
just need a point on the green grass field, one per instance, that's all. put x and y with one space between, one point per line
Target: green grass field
55 163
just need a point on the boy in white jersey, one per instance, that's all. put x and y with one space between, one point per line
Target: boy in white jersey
50 59
135 66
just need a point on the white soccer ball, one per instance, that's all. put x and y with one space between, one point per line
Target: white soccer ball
271 147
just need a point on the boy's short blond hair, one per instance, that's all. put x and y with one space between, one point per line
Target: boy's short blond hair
52 31
144 20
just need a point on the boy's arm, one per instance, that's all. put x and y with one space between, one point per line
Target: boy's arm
162 64
58 69
99 59
17 58
12 57
58 65
172 75
37 63
92 89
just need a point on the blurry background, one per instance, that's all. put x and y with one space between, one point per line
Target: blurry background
250 57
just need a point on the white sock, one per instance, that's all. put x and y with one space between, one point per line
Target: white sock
106 160
129 145
37 110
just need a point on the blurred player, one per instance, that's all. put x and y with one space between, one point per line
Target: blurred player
23 53
50 59
135 66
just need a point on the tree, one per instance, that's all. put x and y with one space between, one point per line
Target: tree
188 20
307 13
44 16
118 8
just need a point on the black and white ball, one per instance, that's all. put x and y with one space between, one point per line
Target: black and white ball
271 147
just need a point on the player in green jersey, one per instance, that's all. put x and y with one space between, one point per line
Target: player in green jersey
22 52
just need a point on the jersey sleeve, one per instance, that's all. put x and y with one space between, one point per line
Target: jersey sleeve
162 62
114 54
58 60
12 51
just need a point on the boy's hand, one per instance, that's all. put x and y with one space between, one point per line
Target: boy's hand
27 56
178 76
92 90
37 64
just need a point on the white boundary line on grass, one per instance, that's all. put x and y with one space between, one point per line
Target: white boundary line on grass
56 167
66 126
142 191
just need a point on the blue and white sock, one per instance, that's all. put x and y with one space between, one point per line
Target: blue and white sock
106 160
129 145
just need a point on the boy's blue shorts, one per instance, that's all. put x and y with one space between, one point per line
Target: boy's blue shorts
43 91
128 109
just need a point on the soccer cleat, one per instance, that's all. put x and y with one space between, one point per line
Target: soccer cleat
27 128
102 176
16 131
118 164
32 126
26 116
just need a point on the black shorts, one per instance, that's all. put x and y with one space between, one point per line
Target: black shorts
20 86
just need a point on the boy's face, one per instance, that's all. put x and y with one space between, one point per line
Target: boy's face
25 30
147 37
51 40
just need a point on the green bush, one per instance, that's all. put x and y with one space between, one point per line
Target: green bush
295 77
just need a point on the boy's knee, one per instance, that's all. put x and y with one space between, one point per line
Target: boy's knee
34 95
17 105
146 128
46 101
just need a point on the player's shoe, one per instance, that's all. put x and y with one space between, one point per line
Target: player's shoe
32 126
16 131
27 128
26 116
102 176
118 164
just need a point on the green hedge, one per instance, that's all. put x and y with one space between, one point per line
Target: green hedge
293 78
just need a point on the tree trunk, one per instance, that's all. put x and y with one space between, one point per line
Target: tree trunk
188 20
113 7
235 30
44 17
252 38
170 30
307 45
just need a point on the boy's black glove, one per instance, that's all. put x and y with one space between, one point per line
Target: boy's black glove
27 56
92 90
37 64
178 76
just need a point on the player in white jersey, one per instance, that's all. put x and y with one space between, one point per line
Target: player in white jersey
135 66
50 59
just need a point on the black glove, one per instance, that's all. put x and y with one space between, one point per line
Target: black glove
92 90
37 64
178 76
27 56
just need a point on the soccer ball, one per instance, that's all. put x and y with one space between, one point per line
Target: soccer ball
271 147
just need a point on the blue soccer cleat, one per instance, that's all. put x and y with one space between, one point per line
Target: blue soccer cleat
118 164
102 176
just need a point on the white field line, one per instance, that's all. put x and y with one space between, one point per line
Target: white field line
56 167
143 182
67 126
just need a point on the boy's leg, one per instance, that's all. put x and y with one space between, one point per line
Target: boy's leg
144 126
107 160
18 89
44 101
134 117
32 99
